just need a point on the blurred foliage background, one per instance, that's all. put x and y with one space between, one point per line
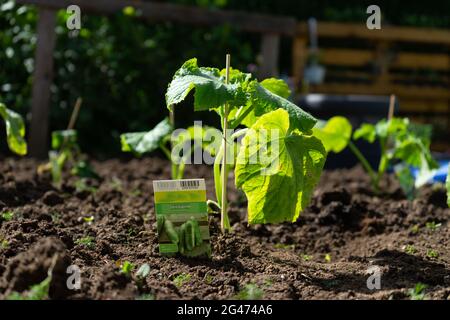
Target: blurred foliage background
121 65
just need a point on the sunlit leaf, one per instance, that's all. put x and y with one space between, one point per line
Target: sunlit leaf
263 101
210 88
334 134
147 141
15 130
279 182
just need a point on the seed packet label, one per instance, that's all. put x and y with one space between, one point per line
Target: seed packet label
182 217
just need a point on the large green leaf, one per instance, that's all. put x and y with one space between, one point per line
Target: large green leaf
15 130
148 141
279 187
334 134
210 88
277 86
265 101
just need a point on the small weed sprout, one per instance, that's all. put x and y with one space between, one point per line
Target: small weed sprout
208 279
433 226
415 229
88 242
126 268
417 293
4 244
250 292
410 249
182 279
327 258
307 257
7 216
432 254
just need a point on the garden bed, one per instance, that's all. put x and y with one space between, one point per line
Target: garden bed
325 255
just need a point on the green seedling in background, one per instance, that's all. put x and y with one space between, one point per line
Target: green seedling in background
65 150
36 292
400 142
15 130
240 100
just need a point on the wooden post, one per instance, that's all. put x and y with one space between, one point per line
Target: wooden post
299 56
391 106
382 59
270 45
42 79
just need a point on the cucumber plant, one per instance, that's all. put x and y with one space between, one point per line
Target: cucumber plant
277 189
65 150
401 143
15 130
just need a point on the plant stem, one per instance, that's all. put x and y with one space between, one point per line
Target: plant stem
217 176
240 116
217 162
224 222
382 166
174 169
364 163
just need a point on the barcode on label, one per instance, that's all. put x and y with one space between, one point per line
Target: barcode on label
174 185
190 184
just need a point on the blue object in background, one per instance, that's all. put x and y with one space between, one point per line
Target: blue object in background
440 174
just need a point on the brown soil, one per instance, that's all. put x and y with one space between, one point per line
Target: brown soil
345 220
